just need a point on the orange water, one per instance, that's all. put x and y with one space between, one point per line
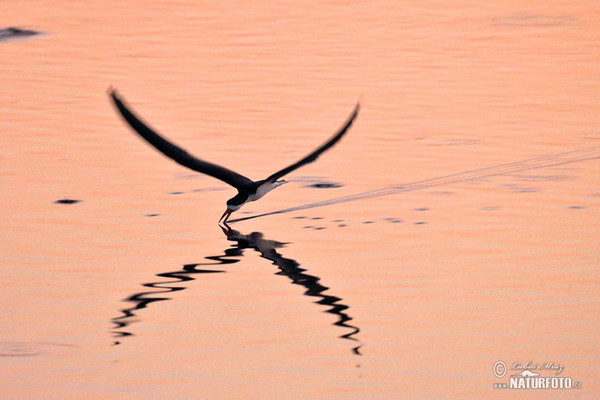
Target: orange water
431 283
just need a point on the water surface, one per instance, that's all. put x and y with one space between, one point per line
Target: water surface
455 226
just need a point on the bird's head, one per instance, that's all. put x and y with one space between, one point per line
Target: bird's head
233 204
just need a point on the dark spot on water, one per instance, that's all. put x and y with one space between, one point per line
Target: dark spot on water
342 225
325 185
301 217
420 223
18 349
316 182
317 218
318 228
15 33
337 220
208 189
392 220
307 227
67 201
368 222
175 192
421 209
577 207
152 215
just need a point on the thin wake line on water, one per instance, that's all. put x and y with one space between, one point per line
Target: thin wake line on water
551 160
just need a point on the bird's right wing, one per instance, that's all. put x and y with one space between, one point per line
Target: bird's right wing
175 152
316 153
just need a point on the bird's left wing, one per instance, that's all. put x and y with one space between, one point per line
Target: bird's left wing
315 154
175 152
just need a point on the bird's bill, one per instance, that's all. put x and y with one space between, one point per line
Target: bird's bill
226 215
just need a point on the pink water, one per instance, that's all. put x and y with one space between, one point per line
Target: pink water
409 281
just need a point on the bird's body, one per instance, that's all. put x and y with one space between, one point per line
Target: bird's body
248 190
264 188
252 193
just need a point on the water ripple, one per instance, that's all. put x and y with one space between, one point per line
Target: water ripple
551 160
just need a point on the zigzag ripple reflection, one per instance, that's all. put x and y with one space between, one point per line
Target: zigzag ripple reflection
268 250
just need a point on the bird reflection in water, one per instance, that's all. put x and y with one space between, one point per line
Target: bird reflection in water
268 250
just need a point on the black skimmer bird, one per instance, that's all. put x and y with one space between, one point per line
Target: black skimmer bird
248 190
